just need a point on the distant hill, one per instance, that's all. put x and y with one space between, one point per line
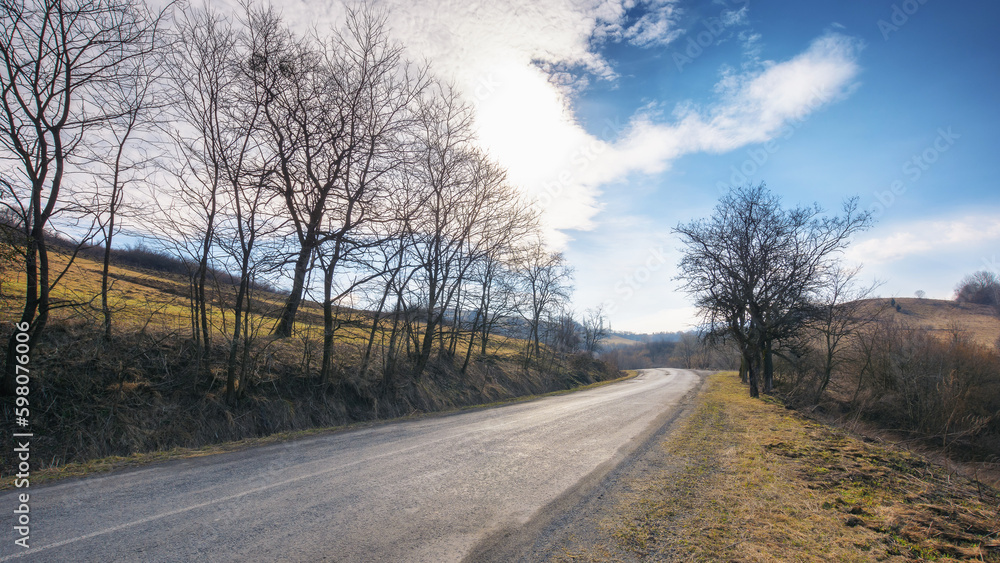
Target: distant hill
941 317
618 341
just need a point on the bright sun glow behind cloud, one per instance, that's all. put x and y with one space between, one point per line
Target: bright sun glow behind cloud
520 64
496 53
525 123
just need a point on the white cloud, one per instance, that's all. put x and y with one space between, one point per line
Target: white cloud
656 27
923 238
497 53
735 17
753 106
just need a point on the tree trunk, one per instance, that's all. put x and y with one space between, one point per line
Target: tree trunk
456 321
116 195
753 364
286 321
430 331
327 328
201 315
193 309
43 288
426 346
31 303
487 330
472 340
390 356
768 369
238 326
244 378
105 270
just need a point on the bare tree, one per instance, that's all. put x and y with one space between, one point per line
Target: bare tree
395 272
565 332
56 55
445 171
206 84
324 103
396 265
546 278
595 329
687 349
754 265
123 151
510 224
842 311
501 302
250 219
377 94
501 222
982 287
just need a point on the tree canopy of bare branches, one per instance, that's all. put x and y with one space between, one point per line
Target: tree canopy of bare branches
322 163
57 57
982 287
754 266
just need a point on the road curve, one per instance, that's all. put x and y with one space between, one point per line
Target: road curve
420 490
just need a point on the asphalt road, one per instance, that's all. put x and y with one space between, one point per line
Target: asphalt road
420 490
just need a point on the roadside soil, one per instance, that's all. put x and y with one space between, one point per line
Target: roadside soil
740 479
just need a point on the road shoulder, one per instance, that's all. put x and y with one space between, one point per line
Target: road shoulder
576 516
740 479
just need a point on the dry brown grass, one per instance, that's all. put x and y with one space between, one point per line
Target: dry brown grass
159 303
748 480
943 318
143 392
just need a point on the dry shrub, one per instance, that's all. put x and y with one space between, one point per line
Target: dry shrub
143 392
908 379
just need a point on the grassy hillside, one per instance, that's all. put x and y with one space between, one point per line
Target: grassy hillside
142 299
144 390
616 341
943 318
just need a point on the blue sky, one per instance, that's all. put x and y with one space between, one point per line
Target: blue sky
915 137
624 118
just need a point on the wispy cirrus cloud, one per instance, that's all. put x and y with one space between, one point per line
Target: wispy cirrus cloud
656 27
